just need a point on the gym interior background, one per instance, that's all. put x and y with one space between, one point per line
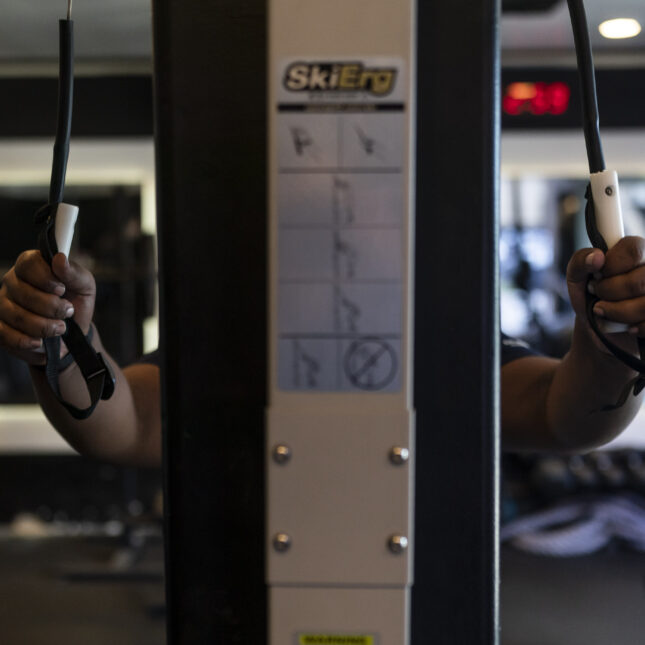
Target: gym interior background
81 542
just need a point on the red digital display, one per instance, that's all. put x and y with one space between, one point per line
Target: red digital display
536 98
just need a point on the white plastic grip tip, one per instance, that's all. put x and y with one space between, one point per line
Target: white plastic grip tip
606 199
66 215
609 222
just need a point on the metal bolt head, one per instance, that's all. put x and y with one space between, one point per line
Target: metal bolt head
281 453
281 542
397 543
399 455
609 191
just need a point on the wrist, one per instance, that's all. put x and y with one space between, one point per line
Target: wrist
586 339
593 365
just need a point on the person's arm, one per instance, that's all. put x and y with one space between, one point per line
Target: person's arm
125 429
557 405
34 302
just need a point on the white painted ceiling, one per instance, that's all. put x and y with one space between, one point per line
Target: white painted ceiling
120 30
550 32
117 30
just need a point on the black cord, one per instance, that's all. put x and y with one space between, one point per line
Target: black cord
587 85
597 164
65 98
96 371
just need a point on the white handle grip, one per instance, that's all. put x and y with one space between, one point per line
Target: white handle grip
606 200
66 215
609 222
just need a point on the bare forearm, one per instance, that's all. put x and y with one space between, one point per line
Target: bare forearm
586 386
121 429
559 405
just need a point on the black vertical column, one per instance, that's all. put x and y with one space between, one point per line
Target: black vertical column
454 598
210 81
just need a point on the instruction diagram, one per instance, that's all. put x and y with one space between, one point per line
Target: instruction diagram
341 202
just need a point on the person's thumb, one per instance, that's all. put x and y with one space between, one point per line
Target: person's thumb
76 279
582 265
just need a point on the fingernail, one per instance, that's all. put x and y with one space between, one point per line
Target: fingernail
599 311
59 289
36 343
589 260
60 329
591 288
69 312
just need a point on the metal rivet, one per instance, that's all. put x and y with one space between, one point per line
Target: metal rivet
281 542
397 543
609 191
281 453
399 455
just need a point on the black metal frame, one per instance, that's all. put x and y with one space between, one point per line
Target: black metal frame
455 597
210 66
210 105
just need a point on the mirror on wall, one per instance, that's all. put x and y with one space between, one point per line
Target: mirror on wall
81 548
572 526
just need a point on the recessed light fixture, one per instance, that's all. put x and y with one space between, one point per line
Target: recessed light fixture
620 28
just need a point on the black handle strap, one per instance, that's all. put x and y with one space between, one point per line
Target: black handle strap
638 365
45 221
594 235
98 375
596 159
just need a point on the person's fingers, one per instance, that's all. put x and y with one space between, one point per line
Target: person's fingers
31 307
630 311
21 346
13 340
34 300
81 289
626 255
621 287
582 265
75 277
28 323
31 268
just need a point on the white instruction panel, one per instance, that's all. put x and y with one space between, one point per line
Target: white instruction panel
341 146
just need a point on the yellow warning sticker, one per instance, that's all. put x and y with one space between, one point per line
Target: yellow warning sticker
335 639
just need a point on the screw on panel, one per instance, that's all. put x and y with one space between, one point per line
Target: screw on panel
281 453
397 543
399 455
281 542
609 191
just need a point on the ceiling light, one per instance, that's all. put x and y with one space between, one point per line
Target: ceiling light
620 28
